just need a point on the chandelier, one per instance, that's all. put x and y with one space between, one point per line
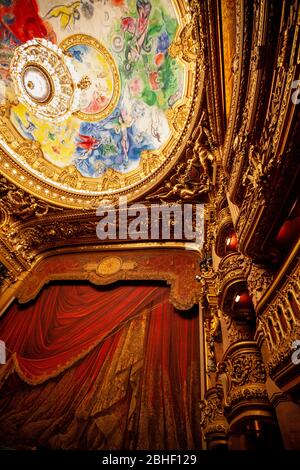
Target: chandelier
45 80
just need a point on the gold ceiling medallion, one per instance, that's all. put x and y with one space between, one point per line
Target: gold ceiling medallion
44 79
101 85
110 266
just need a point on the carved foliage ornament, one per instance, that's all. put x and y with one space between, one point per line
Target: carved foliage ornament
212 415
242 374
192 178
20 205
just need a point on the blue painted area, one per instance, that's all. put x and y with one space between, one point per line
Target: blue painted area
111 145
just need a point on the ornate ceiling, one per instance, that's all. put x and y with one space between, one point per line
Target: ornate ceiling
199 106
140 73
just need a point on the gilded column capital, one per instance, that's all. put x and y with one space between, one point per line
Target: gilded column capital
243 375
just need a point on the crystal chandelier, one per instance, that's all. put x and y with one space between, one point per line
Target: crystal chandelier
45 80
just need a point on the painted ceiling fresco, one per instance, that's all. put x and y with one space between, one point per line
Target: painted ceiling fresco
136 89
136 34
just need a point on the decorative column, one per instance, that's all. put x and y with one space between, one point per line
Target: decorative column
213 422
246 405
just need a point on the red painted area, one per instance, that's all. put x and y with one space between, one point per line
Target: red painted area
153 78
118 3
22 19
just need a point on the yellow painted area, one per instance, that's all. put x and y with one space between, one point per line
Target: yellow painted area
57 141
98 70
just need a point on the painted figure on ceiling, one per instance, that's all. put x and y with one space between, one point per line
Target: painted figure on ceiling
67 14
22 19
138 29
88 144
151 81
28 128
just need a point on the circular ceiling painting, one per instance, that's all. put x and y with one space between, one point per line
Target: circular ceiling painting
140 79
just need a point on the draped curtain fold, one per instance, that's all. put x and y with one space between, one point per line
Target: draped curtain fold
92 368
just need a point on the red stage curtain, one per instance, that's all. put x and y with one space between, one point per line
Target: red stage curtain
98 368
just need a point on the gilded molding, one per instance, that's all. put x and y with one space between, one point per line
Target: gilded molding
236 331
258 281
177 267
231 271
191 179
211 27
269 171
240 70
225 226
19 204
241 142
279 323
